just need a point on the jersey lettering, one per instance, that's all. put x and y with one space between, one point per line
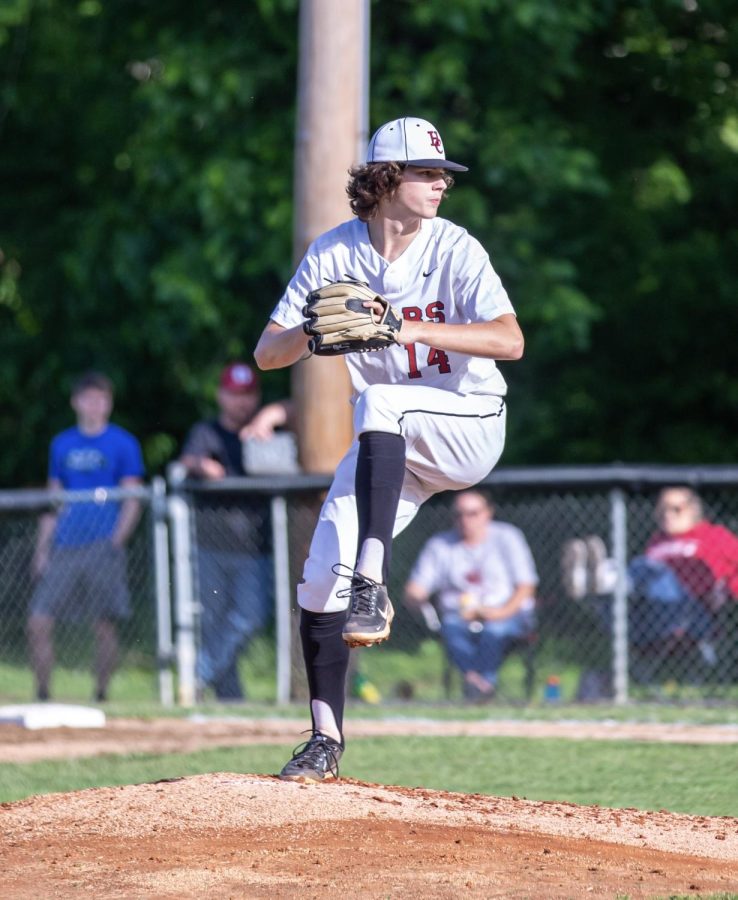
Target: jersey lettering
434 312
412 314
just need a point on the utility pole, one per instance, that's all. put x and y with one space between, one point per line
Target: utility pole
331 134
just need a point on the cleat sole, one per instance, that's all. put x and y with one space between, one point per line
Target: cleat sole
359 639
305 779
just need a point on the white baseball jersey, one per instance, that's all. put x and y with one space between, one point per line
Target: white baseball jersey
444 275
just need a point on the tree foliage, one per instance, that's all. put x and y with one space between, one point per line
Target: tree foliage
145 220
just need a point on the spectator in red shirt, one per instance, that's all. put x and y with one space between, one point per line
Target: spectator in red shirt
704 556
687 573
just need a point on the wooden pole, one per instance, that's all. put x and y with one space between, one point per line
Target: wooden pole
330 138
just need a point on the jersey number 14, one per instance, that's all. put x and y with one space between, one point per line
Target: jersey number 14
434 312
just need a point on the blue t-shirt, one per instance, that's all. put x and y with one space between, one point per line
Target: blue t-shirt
85 462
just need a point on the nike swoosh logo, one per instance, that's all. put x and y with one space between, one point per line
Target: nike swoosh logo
426 274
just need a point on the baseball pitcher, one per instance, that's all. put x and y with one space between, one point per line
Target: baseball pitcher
413 302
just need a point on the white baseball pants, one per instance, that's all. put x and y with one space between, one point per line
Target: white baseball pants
452 442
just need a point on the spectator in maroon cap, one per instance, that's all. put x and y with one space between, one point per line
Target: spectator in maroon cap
233 558
213 448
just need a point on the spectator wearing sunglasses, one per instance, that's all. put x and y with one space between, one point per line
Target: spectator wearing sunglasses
475 584
688 571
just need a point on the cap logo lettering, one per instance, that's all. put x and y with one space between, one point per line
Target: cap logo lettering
411 141
435 139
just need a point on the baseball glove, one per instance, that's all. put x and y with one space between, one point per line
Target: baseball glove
338 322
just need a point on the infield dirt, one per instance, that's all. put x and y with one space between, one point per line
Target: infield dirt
234 835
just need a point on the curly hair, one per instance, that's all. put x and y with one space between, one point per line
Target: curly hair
372 182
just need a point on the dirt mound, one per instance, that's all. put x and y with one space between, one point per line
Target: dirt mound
229 835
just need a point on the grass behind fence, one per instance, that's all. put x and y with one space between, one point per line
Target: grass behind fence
414 675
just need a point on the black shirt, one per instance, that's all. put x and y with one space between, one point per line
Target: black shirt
211 440
226 520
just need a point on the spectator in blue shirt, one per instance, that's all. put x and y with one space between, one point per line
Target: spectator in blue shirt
79 563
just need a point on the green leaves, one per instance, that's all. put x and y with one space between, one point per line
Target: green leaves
145 218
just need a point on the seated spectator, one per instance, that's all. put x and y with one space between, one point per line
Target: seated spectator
233 555
79 562
685 575
483 578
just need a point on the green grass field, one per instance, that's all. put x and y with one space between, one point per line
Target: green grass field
678 777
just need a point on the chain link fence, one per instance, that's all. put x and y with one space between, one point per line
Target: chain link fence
226 542
212 571
83 584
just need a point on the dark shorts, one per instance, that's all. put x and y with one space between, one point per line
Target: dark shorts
82 583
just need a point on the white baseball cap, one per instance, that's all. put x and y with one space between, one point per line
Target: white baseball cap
414 142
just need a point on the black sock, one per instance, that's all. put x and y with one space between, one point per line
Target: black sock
326 660
380 471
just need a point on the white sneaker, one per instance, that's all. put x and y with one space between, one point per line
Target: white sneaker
574 568
601 570
707 652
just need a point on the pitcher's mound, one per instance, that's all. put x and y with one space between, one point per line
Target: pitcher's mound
228 835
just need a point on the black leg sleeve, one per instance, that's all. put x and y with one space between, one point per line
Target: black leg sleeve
326 659
380 471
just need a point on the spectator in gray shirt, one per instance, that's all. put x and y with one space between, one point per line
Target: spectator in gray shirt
482 578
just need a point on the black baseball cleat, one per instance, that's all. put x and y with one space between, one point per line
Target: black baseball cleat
315 760
370 615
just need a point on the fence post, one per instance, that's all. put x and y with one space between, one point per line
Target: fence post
184 602
164 643
282 598
619 526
